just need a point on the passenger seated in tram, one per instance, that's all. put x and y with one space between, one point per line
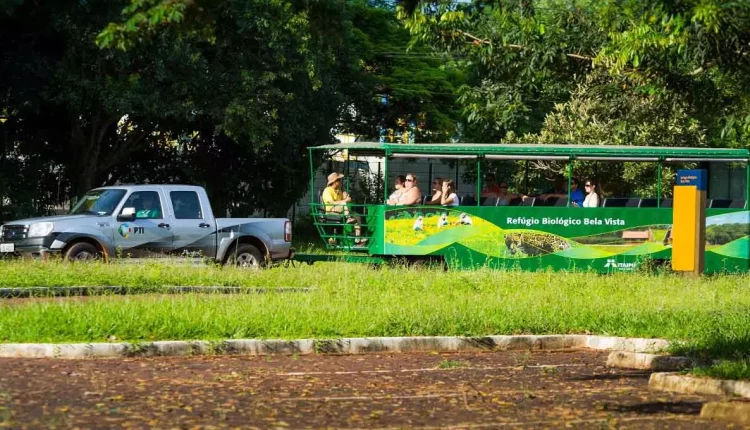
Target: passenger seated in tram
592 198
437 190
335 200
494 194
410 194
448 196
576 195
504 198
393 198
491 188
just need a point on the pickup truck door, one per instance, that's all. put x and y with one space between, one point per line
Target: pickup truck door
149 234
193 224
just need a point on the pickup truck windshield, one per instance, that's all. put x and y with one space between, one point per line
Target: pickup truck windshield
98 202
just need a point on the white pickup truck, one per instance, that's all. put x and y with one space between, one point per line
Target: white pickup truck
149 221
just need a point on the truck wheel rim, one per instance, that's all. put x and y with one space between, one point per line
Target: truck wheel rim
84 255
246 259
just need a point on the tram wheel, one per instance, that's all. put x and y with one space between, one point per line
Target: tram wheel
426 262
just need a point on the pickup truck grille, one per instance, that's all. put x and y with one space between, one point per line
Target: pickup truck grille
14 233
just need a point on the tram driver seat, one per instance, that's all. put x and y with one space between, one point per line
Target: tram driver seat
328 222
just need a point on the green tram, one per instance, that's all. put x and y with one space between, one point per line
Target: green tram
620 234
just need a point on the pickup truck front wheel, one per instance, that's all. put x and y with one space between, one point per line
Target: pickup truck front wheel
246 255
82 251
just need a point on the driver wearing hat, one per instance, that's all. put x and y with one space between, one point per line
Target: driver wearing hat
335 200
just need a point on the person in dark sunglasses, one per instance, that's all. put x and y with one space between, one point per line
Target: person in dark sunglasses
592 198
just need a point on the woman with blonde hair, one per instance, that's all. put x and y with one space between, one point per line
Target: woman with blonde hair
411 194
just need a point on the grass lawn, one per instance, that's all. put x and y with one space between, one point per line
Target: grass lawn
726 369
711 315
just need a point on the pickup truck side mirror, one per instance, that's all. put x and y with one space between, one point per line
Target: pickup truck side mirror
127 214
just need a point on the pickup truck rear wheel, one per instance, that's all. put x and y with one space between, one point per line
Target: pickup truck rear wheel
82 251
246 255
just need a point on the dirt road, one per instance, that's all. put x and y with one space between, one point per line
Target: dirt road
482 390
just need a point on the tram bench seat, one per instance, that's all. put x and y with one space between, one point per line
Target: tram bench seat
515 201
727 204
618 202
488 201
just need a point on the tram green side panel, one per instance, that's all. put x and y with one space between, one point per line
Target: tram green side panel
534 238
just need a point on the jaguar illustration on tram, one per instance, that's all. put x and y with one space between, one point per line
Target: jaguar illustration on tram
570 226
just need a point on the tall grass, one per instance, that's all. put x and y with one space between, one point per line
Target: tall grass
711 315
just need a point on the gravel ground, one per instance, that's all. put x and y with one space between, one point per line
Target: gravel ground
478 390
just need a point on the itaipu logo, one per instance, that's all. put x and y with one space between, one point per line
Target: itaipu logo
126 230
612 263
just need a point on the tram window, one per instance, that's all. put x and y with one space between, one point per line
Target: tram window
727 181
622 184
505 181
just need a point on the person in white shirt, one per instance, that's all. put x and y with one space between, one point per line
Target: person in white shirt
448 196
394 198
592 198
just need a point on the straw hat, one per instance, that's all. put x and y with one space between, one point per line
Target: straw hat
333 177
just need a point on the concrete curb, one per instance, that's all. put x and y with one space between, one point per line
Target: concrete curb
329 346
609 343
643 361
737 412
691 385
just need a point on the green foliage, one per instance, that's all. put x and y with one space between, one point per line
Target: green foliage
725 233
232 111
709 313
613 72
725 369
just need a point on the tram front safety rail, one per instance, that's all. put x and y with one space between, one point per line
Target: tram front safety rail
338 229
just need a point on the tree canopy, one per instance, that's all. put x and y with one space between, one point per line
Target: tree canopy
613 72
536 66
227 94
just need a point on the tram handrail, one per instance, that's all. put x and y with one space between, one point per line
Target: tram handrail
332 226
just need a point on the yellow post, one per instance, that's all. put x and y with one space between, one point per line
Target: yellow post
689 222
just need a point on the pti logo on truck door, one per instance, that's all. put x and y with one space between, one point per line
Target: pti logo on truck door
126 230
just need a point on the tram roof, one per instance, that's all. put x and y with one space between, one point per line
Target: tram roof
539 151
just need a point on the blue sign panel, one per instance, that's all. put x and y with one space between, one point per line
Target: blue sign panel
695 177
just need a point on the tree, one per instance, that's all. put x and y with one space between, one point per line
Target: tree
526 57
403 88
100 108
262 83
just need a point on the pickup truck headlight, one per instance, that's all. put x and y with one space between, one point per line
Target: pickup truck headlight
40 229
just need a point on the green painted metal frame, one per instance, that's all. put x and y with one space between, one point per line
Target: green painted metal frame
479 181
658 184
575 151
570 179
